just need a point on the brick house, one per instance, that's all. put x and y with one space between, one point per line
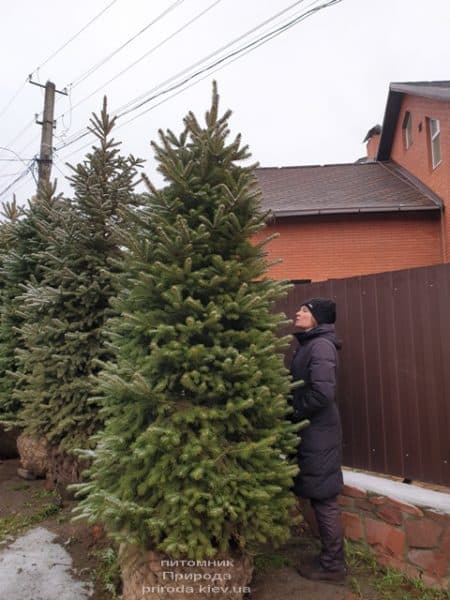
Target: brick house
383 213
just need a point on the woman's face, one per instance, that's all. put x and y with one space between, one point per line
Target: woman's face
304 318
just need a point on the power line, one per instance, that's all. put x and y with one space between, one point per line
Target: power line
36 70
14 96
81 133
94 68
31 141
197 81
242 50
79 136
31 160
56 165
218 63
215 53
102 62
9 174
21 132
49 58
143 56
23 174
19 185
14 159
11 142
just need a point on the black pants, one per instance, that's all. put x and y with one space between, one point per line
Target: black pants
328 517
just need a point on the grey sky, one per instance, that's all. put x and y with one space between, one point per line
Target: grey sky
306 97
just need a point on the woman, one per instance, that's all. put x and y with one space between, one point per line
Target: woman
320 450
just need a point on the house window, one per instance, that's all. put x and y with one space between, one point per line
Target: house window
407 130
435 141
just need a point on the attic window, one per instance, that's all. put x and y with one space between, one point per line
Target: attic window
407 130
435 141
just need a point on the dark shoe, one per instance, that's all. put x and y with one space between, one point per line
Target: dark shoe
318 573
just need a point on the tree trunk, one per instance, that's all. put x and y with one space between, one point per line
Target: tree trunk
151 575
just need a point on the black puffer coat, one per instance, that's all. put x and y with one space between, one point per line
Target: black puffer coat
320 450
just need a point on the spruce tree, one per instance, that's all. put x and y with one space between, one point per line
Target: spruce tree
10 214
64 313
193 457
21 241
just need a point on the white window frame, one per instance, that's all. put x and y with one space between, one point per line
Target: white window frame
435 140
407 130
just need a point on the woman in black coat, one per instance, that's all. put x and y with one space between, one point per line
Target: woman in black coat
320 450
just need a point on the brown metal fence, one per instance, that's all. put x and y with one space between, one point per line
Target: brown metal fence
394 373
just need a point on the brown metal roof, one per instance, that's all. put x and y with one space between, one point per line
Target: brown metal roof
336 189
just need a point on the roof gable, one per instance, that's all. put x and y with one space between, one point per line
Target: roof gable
435 90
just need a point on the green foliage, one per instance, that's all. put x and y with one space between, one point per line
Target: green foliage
14 524
268 561
20 240
63 313
193 459
388 584
107 571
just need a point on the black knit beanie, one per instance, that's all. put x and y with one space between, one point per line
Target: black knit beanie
322 309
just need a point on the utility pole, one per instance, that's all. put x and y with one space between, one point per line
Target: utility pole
48 124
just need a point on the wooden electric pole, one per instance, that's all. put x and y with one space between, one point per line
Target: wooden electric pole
47 123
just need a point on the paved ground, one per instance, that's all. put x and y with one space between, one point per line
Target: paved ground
54 559
36 567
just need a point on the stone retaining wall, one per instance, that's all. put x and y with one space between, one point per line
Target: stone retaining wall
402 536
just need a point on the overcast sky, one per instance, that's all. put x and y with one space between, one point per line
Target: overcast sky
305 97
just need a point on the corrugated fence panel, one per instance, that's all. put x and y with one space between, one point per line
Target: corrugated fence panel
442 280
394 373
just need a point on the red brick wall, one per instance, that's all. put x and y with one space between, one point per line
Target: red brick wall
417 159
372 146
401 536
326 247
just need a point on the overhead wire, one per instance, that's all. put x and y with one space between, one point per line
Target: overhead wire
23 174
55 155
14 96
94 68
240 51
76 135
23 160
206 71
21 132
9 174
218 63
97 16
47 60
215 53
13 159
89 72
24 181
145 55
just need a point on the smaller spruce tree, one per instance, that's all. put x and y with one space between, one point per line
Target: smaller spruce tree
10 214
22 241
64 313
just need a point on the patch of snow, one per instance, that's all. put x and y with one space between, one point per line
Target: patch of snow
405 492
35 567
